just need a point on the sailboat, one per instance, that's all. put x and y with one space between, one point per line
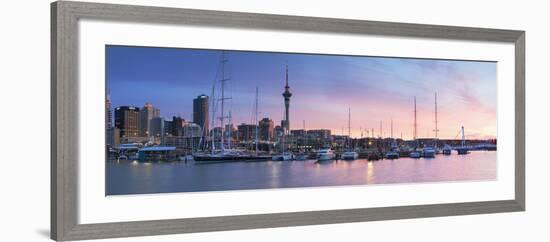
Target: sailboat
447 149
429 151
222 154
462 149
284 155
349 154
415 153
393 153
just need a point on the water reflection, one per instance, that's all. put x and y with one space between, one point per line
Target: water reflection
138 178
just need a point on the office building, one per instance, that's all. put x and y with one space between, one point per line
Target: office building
147 113
267 129
200 112
127 121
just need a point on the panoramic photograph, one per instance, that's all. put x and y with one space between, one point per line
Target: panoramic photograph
197 120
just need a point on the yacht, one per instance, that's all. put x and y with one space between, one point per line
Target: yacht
394 151
350 155
325 154
462 149
447 150
392 155
301 156
428 152
282 157
415 154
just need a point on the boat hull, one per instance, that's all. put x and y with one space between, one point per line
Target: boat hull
350 156
462 151
325 158
415 154
281 158
392 155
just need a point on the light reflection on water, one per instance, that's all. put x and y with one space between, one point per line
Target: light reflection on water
140 178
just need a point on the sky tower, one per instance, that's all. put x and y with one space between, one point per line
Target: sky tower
287 96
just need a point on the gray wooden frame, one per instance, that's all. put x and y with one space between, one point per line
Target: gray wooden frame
64 118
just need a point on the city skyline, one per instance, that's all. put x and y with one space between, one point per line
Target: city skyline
374 88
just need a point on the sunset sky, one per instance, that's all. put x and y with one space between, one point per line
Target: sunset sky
322 86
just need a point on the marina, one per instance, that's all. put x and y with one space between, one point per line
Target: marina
129 177
243 131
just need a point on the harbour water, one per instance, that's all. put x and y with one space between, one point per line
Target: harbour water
127 177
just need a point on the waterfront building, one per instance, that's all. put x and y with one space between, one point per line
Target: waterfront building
187 144
246 132
339 141
158 153
127 120
200 112
298 132
320 133
266 129
287 94
181 134
147 113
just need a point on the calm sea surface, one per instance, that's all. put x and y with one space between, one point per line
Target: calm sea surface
138 178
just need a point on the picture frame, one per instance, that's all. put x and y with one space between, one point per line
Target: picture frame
65 136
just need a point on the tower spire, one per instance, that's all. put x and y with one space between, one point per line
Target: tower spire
286 95
286 83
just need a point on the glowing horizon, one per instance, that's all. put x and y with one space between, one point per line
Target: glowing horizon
323 87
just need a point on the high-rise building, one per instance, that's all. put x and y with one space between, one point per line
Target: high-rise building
286 95
108 112
147 113
177 126
156 127
247 132
113 137
200 112
127 120
167 127
267 129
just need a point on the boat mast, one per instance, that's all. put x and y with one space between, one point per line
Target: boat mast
391 129
212 119
414 132
349 122
256 120
229 131
380 129
463 137
349 128
436 130
415 125
222 99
